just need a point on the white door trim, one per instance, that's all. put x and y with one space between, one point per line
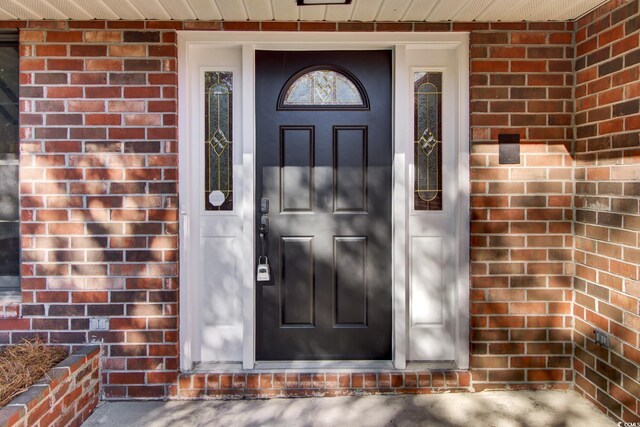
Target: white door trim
248 183
249 42
399 206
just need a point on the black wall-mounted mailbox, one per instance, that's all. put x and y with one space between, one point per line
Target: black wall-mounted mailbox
509 148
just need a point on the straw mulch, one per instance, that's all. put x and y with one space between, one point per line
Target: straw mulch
23 364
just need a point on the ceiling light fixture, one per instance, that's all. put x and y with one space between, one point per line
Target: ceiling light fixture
321 2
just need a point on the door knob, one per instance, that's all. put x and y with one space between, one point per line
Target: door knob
264 205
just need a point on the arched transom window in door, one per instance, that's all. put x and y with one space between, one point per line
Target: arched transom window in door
323 87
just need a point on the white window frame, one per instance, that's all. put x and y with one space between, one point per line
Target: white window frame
249 42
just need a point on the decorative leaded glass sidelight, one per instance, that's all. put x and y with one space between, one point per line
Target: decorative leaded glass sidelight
323 88
428 141
218 147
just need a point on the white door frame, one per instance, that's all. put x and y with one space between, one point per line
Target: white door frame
399 43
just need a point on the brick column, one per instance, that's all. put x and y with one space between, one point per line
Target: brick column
98 190
521 226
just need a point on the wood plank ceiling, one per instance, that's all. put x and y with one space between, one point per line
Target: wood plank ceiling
286 10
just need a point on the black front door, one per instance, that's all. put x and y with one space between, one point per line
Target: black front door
323 161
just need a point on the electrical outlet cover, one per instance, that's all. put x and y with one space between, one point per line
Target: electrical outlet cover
602 338
99 324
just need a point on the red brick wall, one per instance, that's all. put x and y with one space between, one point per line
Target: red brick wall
521 215
607 253
99 195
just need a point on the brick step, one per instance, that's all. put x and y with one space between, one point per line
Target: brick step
307 384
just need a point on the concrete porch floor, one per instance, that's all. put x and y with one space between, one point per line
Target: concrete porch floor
499 408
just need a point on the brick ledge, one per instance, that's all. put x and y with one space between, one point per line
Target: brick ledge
66 395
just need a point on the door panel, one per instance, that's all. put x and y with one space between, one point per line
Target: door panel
297 290
326 171
427 290
350 297
350 165
296 166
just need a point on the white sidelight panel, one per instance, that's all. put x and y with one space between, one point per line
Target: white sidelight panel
211 290
221 301
432 318
427 291
434 145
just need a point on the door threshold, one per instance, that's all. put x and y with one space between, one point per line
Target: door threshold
306 366
324 365
321 366
445 365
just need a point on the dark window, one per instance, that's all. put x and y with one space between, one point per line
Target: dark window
9 156
427 95
218 146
